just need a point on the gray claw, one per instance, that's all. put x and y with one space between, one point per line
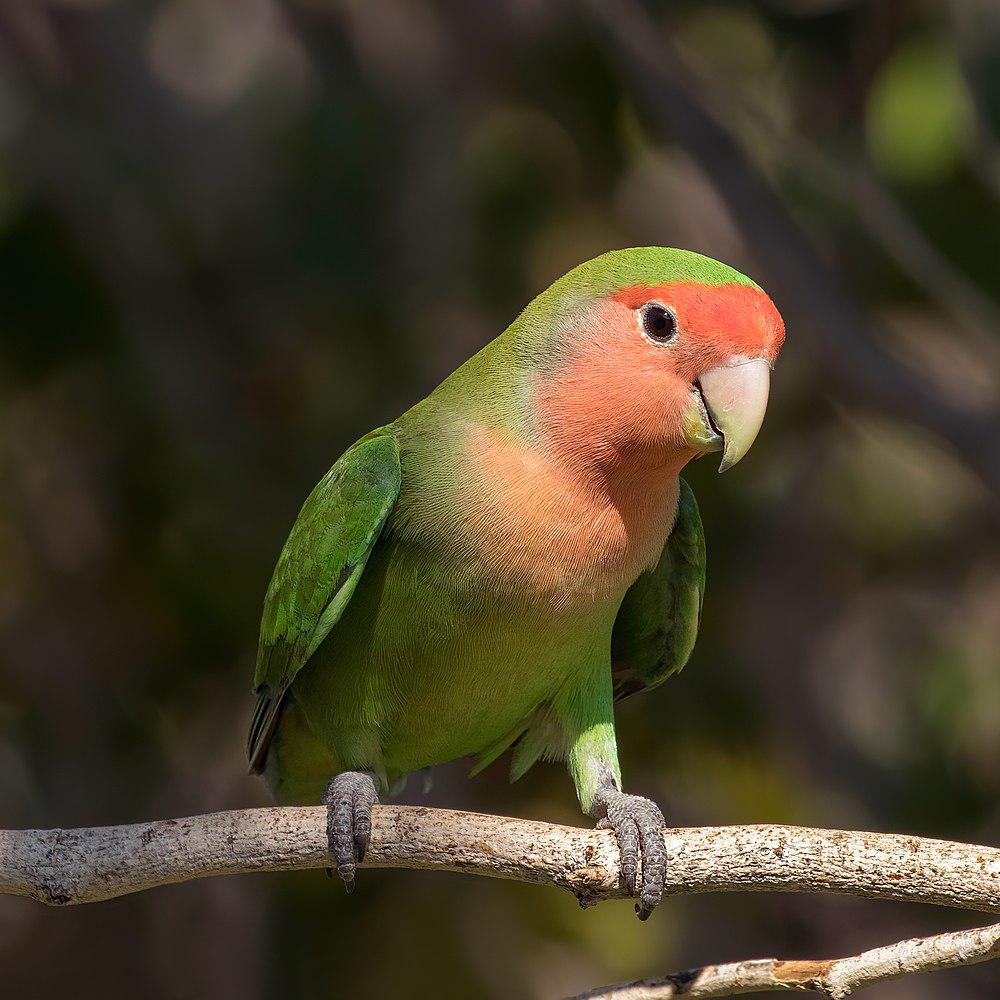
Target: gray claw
349 798
638 825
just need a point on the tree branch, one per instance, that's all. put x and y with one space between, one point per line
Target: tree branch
835 978
61 867
64 867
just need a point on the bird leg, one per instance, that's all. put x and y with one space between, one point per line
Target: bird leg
349 798
638 825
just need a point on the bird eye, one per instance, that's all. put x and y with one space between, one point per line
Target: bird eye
658 322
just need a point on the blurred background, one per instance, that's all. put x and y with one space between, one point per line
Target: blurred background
237 234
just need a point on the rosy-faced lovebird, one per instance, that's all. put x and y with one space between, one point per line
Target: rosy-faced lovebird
500 565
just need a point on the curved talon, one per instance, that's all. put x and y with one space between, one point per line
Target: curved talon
349 798
638 825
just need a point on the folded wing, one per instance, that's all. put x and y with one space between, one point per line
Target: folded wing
318 571
657 624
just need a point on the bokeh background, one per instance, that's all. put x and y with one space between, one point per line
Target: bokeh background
237 234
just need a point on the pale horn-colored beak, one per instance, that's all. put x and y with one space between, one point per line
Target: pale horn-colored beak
735 396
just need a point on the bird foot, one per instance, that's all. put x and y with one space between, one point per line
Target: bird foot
638 826
349 798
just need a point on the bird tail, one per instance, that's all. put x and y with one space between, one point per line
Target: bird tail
263 724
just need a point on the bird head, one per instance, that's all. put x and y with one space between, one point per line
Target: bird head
652 348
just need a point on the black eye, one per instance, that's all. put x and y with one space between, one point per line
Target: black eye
658 322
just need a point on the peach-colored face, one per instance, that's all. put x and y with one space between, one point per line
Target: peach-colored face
622 388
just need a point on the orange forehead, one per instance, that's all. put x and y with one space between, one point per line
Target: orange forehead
740 318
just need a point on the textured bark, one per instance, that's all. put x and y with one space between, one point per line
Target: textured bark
87 865
63 867
835 978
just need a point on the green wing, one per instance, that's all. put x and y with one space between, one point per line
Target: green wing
317 572
657 624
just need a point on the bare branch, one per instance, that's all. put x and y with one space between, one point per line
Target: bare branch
87 865
62 867
835 978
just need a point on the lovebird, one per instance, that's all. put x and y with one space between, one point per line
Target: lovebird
516 553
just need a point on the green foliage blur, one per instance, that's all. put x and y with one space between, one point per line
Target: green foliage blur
237 234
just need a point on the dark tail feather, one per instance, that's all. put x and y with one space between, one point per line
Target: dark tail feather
266 716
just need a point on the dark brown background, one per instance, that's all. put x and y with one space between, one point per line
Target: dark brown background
236 234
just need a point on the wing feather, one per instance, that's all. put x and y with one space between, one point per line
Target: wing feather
317 572
657 624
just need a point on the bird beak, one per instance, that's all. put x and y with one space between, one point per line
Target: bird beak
735 398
